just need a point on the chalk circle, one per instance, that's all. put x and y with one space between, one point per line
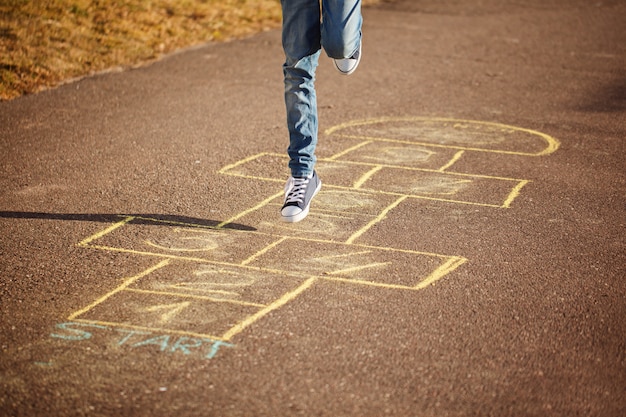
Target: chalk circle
459 134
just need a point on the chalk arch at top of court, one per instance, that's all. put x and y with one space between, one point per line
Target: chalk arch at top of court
471 135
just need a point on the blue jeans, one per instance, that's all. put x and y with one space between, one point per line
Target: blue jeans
306 29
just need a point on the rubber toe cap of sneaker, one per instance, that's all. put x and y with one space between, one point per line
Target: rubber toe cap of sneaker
293 214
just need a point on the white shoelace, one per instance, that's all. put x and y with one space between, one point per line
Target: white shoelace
295 190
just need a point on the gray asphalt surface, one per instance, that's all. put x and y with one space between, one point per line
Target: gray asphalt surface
466 255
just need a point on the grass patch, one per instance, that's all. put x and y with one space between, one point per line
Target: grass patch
45 42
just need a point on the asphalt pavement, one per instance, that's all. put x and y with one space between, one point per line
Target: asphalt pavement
466 255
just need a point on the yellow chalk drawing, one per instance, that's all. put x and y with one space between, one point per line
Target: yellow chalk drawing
394 160
286 298
127 282
514 193
443 270
378 219
169 310
455 158
359 183
448 133
201 288
106 231
395 180
190 240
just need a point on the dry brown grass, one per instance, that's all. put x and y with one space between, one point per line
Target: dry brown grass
45 42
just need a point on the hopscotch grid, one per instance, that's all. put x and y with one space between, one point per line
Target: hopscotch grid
445 258
380 192
443 270
240 326
448 265
343 214
242 161
264 250
373 165
376 168
250 319
98 235
368 283
307 239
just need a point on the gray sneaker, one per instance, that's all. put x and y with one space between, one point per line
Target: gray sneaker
298 195
347 66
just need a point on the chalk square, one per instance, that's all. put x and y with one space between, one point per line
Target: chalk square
168 313
351 262
462 188
335 215
399 155
182 241
218 282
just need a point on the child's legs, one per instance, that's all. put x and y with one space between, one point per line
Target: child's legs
341 27
301 43
301 104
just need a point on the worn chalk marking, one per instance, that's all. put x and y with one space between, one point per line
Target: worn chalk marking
379 218
241 162
125 284
108 230
210 245
452 161
514 193
170 309
234 279
551 143
195 287
443 270
148 329
252 209
197 297
347 151
359 268
358 183
346 255
263 251
286 298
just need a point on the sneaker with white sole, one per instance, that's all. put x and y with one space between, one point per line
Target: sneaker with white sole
298 195
347 66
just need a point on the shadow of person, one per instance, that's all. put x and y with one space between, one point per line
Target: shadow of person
167 220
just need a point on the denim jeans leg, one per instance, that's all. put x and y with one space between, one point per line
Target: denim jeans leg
341 27
302 122
301 43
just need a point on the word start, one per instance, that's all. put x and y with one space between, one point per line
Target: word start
186 345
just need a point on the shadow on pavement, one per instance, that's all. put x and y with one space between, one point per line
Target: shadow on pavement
162 219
